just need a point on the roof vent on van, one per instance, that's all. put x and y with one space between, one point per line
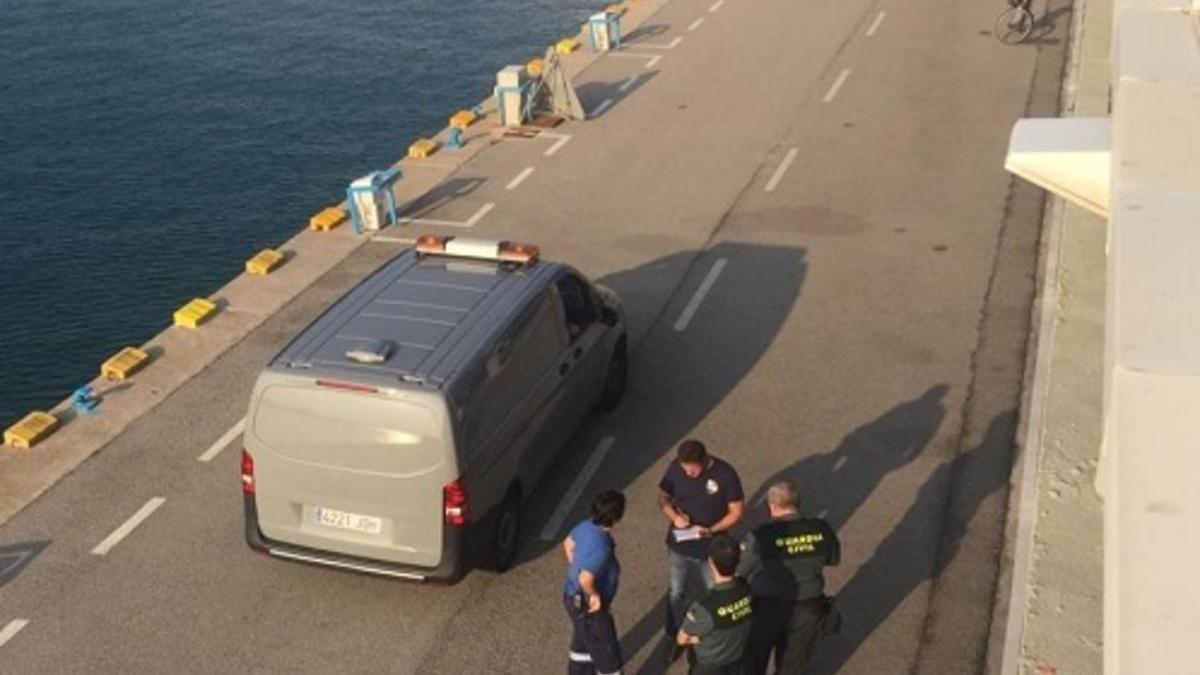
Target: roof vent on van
371 352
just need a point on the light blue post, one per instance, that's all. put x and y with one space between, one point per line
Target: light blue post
608 20
501 92
380 183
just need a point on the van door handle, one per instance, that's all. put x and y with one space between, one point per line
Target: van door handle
562 370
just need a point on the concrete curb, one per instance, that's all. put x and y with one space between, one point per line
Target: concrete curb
1013 592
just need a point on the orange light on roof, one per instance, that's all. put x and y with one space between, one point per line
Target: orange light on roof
518 253
431 243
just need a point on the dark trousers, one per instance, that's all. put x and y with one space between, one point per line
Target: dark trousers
787 628
595 648
738 668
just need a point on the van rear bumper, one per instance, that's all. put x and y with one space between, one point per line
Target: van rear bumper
451 568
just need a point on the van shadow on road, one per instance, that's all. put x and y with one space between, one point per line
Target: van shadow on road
834 483
676 379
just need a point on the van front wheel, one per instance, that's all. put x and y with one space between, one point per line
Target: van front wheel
507 536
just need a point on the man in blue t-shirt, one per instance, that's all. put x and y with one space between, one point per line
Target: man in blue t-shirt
700 496
593 575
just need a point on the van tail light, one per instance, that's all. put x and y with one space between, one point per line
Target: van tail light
454 500
247 473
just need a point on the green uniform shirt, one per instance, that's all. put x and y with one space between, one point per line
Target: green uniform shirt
783 559
721 619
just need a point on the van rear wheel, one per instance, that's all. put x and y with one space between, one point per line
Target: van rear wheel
507 536
614 383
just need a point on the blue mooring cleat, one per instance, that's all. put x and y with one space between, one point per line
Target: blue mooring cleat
83 400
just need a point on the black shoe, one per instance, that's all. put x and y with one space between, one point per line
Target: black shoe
674 651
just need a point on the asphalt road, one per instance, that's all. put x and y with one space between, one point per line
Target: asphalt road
839 166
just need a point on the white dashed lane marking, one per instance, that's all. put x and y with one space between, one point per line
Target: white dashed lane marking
516 182
563 139
550 531
705 286
128 526
837 85
875 24
10 631
599 110
224 441
782 169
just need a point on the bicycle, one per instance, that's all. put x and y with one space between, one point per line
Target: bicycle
1015 24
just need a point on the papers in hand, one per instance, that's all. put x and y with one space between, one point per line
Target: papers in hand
687 533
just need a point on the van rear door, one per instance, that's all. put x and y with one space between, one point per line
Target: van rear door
351 469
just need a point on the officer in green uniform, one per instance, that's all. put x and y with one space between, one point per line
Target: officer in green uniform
784 560
718 624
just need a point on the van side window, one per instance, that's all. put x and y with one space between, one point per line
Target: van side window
578 304
522 357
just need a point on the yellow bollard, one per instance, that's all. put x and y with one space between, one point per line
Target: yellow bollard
463 119
423 148
31 430
566 45
264 262
327 218
195 313
124 364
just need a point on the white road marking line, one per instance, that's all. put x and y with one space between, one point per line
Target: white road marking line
823 513
478 215
705 286
628 83
600 108
10 631
650 63
782 169
550 531
875 24
837 466
696 24
833 91
516 182
128 526
223 441
716 5
407 241
650 45
470 222
562 140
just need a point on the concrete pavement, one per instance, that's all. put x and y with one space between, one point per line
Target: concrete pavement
865 335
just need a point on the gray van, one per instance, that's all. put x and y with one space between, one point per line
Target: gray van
399 433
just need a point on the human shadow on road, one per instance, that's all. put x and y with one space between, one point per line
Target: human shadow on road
834 483
923 543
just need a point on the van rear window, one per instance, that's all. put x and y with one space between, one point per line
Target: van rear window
352 430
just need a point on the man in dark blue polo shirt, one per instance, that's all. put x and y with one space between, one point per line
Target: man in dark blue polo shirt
593 574
701 496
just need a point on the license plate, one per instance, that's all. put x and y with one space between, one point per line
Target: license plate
344 520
